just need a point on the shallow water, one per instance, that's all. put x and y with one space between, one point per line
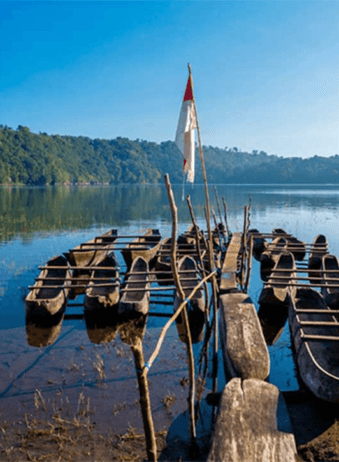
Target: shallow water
39 223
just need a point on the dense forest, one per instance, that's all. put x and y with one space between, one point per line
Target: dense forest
38 159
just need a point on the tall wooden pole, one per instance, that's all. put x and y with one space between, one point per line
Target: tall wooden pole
181 294
210 242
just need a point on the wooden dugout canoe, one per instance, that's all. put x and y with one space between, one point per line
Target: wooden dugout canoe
89 254
135 302
163 259
103 287
330 293
50 292
272 322
283 273
318 250
259 243
315 334
270 256
189 278
294 245
93 251
145 246
163 263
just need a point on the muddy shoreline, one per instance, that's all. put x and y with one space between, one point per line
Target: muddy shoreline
76 400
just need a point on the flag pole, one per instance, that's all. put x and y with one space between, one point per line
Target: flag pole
210 246
208 210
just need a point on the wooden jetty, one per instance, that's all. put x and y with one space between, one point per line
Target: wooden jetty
246 427
243 344
229 272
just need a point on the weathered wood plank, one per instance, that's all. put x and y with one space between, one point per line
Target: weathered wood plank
229 281
244 347
246 426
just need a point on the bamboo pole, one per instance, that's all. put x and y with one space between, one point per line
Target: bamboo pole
244 246
249 263
181 294
218 204
226 220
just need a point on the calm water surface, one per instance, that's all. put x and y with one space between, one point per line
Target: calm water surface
39 223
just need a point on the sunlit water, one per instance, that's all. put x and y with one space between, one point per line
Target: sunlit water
39 223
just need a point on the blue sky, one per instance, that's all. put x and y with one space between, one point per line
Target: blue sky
265 72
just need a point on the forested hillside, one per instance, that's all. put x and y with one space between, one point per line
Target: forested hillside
37 159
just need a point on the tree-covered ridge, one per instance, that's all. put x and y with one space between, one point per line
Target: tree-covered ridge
37 159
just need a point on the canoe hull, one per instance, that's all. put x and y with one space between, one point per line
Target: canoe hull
42 301
330 294
100 297
136 303
196 306
317 361
151 241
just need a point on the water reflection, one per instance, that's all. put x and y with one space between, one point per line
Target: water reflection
42 331
29 209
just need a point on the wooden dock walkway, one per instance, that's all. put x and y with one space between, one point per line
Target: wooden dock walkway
229 270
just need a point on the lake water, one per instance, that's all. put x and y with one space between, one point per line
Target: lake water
39 223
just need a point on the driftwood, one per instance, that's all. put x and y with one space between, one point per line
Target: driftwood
246 427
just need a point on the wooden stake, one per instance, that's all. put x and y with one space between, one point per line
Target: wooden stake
145 401
190 357
226 221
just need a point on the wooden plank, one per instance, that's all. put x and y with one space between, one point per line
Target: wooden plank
228 280
246 427
243 344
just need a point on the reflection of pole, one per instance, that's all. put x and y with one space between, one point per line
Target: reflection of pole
145 401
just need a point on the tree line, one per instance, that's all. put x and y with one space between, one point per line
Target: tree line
38 159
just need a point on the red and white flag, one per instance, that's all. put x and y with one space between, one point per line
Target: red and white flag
184 137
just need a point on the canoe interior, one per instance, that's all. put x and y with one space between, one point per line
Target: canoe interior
96 290
136 281
151 240
196 307
79 257
278 295
270 256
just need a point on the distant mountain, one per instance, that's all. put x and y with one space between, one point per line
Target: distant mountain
37 159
